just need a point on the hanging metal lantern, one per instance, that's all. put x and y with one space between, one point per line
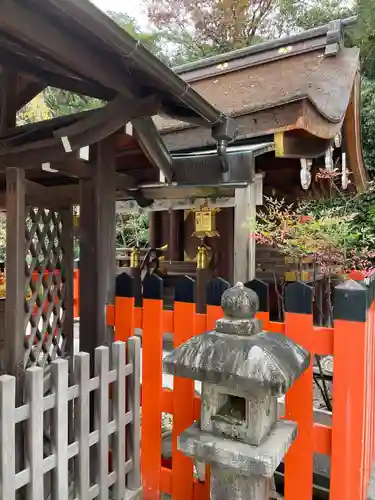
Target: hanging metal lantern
305 173
205 222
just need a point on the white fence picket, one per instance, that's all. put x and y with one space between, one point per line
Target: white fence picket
7 438
101 419
59 379
118 413
34 432
134 405
82 425
60 403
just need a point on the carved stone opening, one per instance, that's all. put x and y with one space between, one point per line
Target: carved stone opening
234 410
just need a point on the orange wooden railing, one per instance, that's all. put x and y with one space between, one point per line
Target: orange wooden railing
349 442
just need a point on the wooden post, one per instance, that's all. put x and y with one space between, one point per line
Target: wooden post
174 235
348 467
68 274
98 248
246 200
14 336
153 222
8 95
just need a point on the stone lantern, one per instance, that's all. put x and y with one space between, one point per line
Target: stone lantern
243 371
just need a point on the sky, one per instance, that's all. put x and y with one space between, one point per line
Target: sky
132 7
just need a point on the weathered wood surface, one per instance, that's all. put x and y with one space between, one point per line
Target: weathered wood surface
88 449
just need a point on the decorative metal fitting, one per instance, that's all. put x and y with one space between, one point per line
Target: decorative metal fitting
305 173
135 258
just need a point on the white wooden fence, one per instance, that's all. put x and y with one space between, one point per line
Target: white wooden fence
103 463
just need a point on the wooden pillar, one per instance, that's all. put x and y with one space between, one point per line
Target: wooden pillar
244 246
174 235
14 336
98 248
153 221
67 242
8 93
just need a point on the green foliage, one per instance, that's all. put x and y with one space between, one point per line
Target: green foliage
132 230
328 233
61 102
195 30
365 36
368 123
361 209
35 111
303 15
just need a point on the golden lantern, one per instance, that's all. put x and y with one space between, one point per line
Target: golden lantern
135 258
205 221
202 257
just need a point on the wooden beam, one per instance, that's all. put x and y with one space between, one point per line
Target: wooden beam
294 144
177 196
27 24
106 121
8 93
51 197
29 155
125 181
74 167
153 146
98 249
31 90
54 76
13 349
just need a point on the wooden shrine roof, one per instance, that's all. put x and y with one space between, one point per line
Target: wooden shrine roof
303 82
303 88
72 45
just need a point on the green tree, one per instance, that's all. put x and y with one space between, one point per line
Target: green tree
366 36
34 111
61 102
368 123
305 14
200 29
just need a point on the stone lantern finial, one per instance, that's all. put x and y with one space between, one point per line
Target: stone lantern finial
239 305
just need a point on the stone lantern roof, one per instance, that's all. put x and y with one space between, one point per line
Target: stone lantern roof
237 355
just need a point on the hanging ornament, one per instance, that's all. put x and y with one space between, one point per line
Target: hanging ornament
305 173
344 172
338 140
329 160
205 221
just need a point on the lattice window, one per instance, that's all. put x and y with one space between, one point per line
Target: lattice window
45 287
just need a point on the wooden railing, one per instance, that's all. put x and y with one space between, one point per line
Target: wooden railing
100 450
349 441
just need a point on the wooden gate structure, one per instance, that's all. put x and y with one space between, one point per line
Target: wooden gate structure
48 167
349 441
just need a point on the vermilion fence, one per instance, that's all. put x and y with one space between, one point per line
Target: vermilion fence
349 442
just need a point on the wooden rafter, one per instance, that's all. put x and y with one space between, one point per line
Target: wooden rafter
153 146
106 121
24 24
49 73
